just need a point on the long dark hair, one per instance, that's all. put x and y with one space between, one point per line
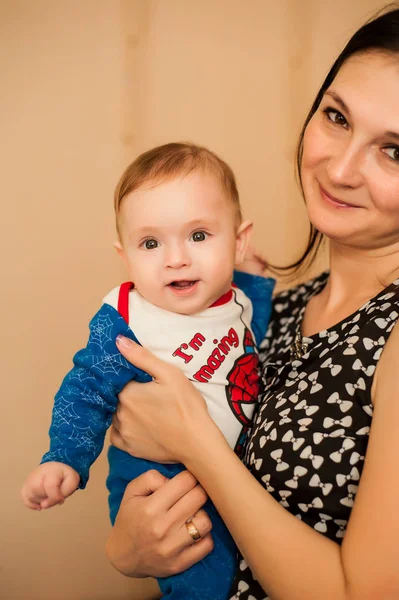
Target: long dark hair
380 33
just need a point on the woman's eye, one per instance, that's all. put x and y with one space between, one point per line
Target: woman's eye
198 236
392 152
150 244
335 116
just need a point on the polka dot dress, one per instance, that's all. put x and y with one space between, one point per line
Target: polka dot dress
310 434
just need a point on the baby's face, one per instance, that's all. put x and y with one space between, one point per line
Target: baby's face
180 241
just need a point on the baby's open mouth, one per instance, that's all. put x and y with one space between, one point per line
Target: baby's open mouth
182 285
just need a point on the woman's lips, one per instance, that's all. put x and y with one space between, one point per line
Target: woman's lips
335 201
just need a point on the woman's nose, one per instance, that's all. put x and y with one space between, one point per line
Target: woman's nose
345 166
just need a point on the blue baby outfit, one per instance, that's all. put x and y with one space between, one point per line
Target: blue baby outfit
83 411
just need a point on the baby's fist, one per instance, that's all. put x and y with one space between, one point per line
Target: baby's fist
49 484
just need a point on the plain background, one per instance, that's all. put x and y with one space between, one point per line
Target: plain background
86 86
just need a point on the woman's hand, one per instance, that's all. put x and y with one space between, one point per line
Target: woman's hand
150 537
165 420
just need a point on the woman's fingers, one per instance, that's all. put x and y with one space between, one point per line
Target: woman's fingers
156 420
115 437
145 485
202 524
142 358
175 562
150 537
175 490
173 501
188 505
195 552
131 394
185 550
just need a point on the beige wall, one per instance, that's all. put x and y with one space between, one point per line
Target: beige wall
84 87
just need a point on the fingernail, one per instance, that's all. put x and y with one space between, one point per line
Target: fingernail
123 341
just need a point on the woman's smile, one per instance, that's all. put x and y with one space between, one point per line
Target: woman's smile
333 201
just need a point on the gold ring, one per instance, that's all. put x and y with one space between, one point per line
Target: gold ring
193 531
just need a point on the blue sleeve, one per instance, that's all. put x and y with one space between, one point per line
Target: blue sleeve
88 395
259 290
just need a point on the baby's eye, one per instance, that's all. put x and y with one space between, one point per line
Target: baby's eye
335 116
199 236
150 244
392 152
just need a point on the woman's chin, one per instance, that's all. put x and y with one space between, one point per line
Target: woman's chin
349 236
337 227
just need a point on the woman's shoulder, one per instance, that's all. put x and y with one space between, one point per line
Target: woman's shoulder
287 299
288 306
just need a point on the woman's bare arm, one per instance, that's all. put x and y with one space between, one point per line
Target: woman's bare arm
291 560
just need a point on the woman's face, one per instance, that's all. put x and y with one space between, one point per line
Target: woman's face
350 163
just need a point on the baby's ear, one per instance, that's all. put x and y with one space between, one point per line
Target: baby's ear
244 234
118 247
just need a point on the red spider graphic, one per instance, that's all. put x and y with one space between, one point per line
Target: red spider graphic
243 386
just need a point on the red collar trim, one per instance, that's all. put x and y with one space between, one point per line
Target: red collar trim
223 299
123 299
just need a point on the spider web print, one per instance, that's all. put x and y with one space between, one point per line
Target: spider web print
100 330
109 363
64 412
107 389
80 374
84 438
61 455
93 398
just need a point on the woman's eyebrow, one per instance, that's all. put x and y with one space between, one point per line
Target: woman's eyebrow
338 100
392 134
389 134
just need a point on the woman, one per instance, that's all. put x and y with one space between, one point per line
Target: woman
313 509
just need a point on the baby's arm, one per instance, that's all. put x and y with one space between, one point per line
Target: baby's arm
259 290
83 409
87 399
49 484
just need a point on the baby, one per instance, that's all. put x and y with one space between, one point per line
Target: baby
180 235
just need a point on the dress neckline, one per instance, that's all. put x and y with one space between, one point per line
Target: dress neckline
302 344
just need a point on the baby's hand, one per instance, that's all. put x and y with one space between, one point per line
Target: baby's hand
253 263
49 484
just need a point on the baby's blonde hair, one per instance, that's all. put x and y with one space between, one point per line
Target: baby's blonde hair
166 162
